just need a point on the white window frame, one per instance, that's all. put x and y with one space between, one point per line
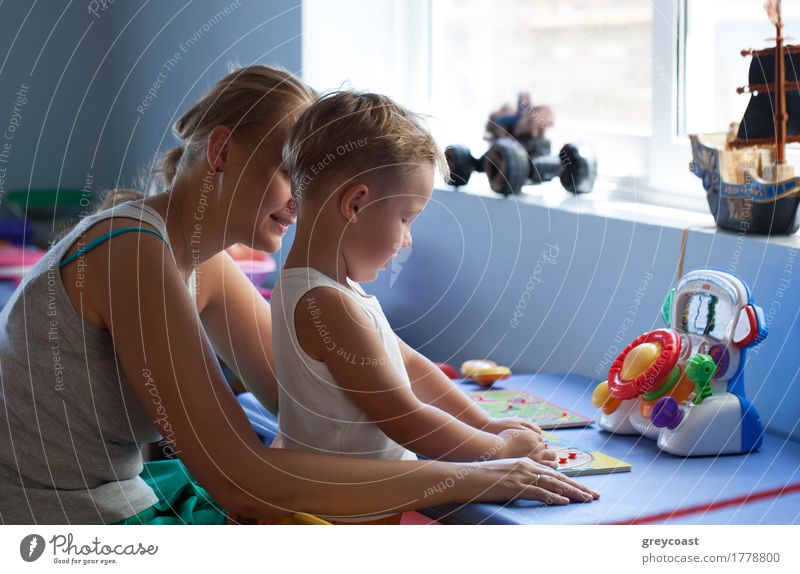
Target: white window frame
670 152
377 45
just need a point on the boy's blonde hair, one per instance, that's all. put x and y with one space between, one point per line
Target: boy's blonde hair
348 134
255 102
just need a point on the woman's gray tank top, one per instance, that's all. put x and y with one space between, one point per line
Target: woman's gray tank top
71 428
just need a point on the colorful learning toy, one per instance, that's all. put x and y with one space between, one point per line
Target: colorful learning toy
684 386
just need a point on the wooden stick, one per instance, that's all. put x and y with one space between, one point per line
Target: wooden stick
788 87
781 118
737 143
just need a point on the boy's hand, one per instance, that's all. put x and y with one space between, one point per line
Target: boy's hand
496 426
518 443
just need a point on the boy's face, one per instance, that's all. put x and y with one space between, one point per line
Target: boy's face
383 226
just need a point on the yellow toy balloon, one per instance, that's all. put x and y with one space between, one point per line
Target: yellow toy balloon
639 359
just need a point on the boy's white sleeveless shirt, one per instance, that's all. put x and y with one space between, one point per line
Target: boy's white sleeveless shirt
315 414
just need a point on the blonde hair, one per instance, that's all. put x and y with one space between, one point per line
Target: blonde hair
252 101
117 196
351 134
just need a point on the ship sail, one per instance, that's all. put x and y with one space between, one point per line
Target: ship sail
758 124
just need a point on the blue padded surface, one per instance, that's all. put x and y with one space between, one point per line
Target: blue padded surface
756 512
657 483
263 422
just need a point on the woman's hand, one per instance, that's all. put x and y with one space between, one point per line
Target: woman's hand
509 479
496 426
516 443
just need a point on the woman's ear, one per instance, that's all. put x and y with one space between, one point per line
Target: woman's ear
354 199
219 141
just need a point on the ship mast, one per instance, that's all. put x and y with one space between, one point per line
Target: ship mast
781 117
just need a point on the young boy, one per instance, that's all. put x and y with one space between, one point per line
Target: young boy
362 170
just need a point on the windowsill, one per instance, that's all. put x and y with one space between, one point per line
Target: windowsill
623 200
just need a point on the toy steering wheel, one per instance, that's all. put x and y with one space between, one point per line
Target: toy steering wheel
639 371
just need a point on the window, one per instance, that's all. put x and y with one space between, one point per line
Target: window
377 45
459 60
632 77
716 31
588 59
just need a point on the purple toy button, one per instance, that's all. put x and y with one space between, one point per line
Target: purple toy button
666 413
719 353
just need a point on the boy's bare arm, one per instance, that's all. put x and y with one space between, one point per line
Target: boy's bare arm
433 387
333 329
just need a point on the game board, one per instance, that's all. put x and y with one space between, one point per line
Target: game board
576 460
518 403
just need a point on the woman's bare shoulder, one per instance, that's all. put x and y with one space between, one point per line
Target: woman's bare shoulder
88 278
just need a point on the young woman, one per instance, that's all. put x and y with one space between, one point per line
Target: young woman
111 342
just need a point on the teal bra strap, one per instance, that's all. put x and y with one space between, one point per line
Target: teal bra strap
109 235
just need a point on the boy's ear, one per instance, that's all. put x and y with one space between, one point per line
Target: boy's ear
354 199
217 149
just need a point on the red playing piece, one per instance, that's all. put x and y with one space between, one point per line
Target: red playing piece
448 370
509 407
564 413
546 445
573 455
562 460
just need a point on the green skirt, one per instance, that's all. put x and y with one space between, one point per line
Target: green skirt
181 500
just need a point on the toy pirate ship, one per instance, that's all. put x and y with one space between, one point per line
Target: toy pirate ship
750 185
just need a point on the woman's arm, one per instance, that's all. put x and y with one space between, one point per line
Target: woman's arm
172 369
238 323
